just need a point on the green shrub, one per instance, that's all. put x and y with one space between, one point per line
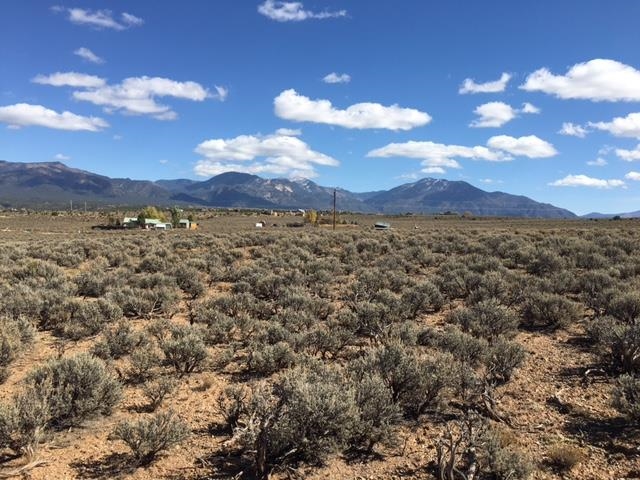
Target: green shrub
503 462
24 421
117 341
15 336
548 310
76 388
142 361
626 397
185 350
149 436
503 357
306 415
467 349
327 341
188 279
468 448
231 404
377 413
421 298
92 283
625 307
415 383
157 390
618 343
596 289
84 319
487 319
266 359
545 262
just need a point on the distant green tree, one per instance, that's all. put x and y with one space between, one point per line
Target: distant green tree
175 216
151 212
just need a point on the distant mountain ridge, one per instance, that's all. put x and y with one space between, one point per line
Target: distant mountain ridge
597 215
54 185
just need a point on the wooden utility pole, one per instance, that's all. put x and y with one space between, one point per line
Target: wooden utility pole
334 208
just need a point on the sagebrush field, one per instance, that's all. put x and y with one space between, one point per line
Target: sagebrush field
445 348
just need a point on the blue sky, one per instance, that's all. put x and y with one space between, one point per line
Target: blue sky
538 98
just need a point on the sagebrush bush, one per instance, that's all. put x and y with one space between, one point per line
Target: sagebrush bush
625 307
548 310
502 358
23 421
545 261
415 383
266 359
306 415
422 298
142 361
75 388
188 279
117 341
377 413
15 335
618 344
467 349
487 319
149 436
92 283
231 404
185 350
503 462
156 391
596 289
80 319
626 397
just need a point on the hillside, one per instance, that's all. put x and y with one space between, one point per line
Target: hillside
54 185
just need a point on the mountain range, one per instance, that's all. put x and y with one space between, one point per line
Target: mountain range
55 185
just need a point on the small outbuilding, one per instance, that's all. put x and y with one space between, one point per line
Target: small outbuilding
187 224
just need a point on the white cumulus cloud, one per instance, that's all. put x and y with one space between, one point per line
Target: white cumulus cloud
294 12
529 108
573 130
433 170
334 77
26 115
131 20
493 114
635 176
221 93
292 106
497 86
529 146
585 181
628 126
289 132
100 19
61 157
629 155
134 95
277 154
597 80
496 114
437 156
88 55
69 79
490 181
598 162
